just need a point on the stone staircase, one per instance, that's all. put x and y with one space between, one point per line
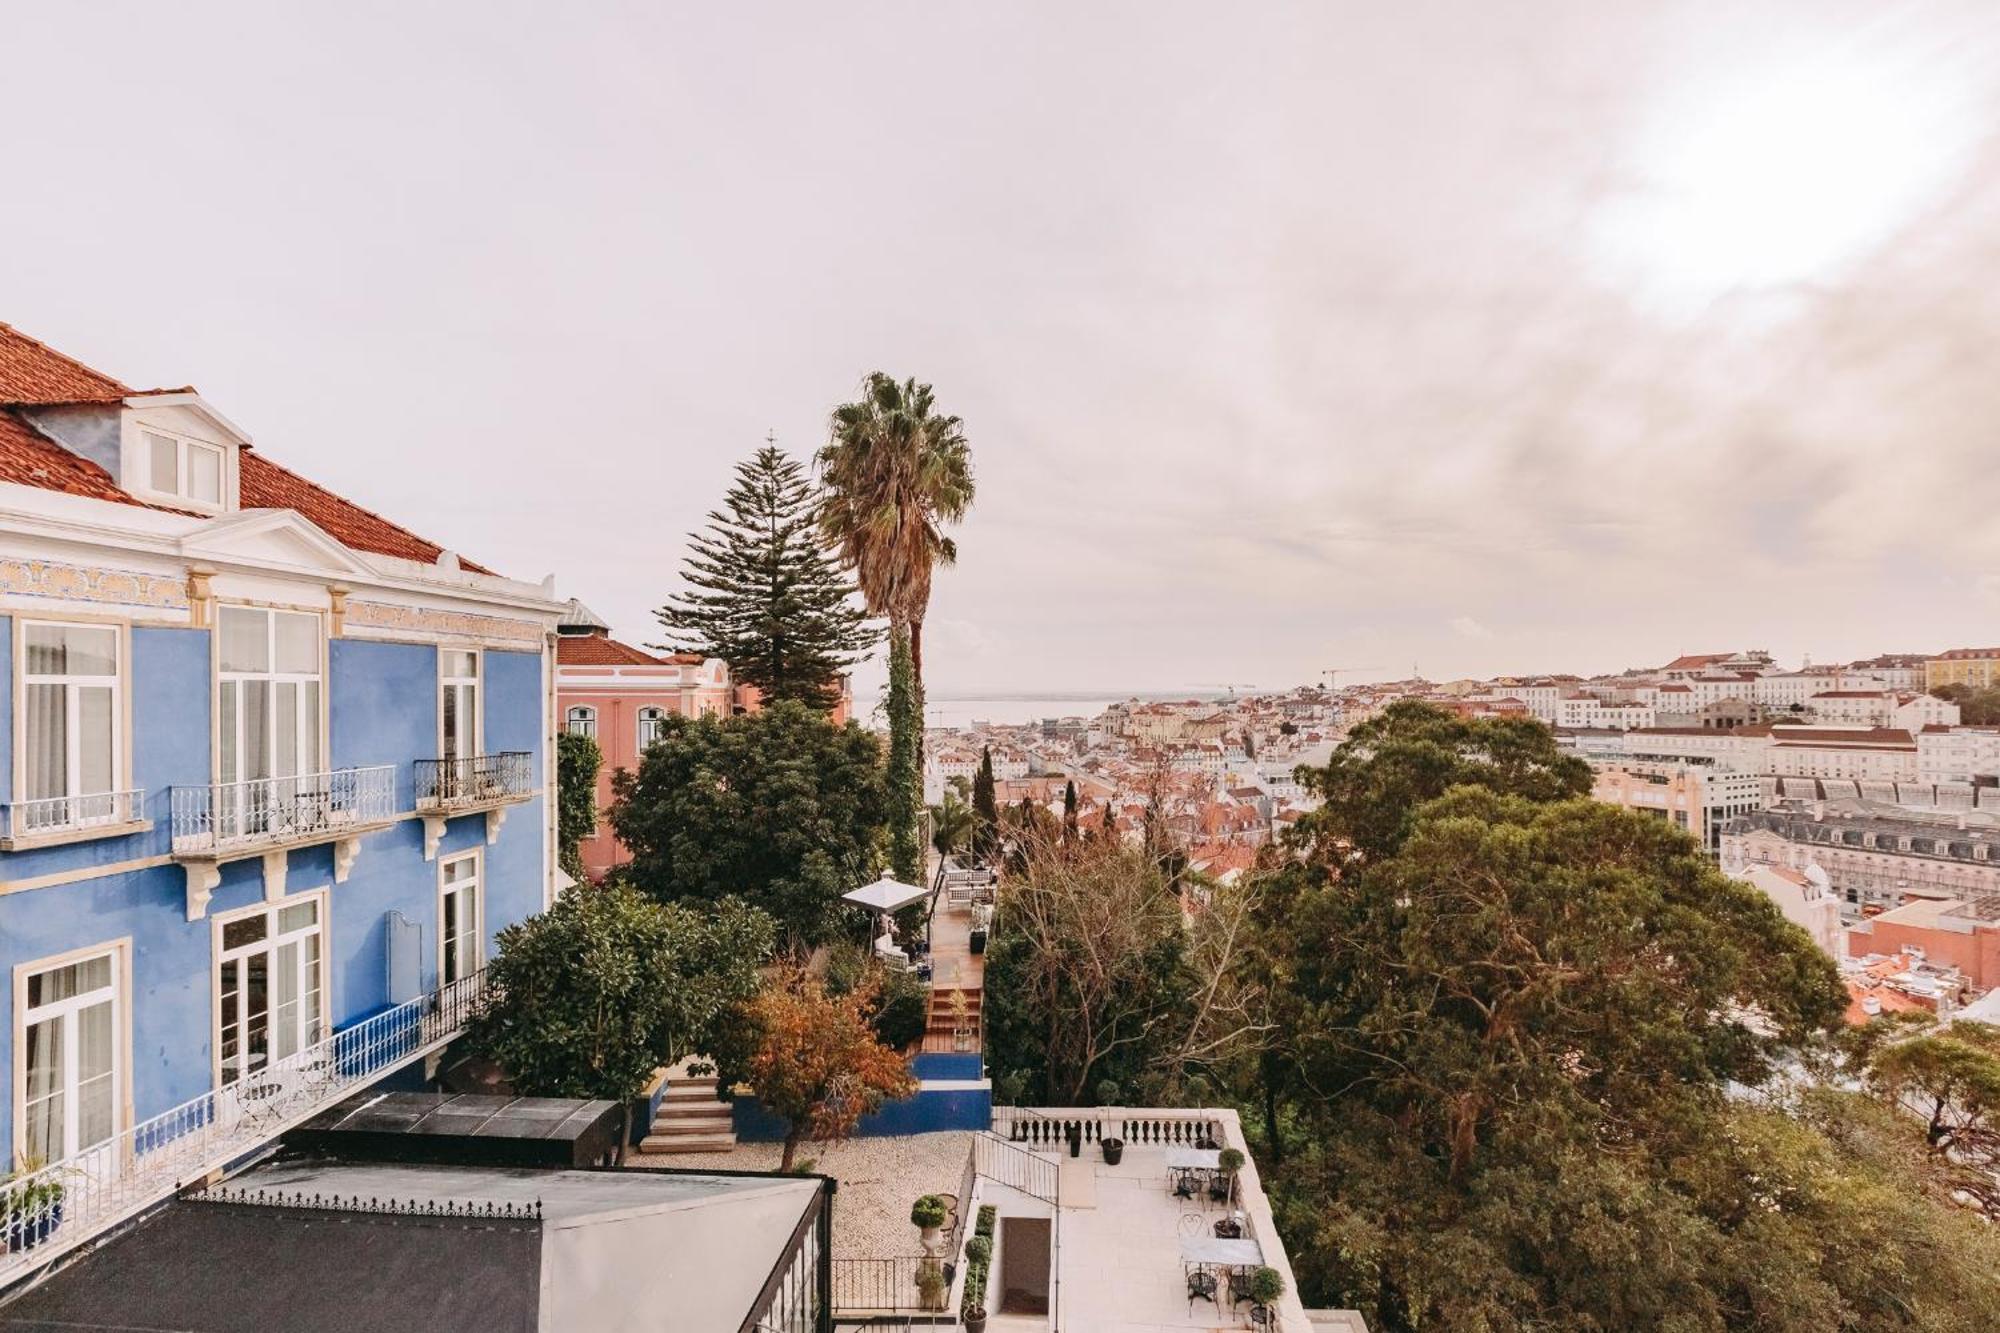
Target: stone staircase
691 1118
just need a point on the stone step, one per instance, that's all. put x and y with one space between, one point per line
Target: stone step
690 1092
687 1143
687 1128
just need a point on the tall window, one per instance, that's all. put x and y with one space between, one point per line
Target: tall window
69 1036
460 919
186 468
69 734
582 721
458 704
268 710
268 982
652 725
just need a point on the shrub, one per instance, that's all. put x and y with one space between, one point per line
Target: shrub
1266 1285
1230 1160
1108 1092
984 1225
979 1250
902 1011
928 1211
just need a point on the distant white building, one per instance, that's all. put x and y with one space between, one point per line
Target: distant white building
1807 899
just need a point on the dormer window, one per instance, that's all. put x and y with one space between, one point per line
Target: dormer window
185 468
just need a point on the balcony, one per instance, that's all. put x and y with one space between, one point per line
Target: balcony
486 783
71 1202
61 819
229 821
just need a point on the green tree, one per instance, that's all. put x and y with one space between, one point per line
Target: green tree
577 763
985 807
952 823
781 808
1976 707
896 471
589 997
1069 812
765 594
818 1063
1952 1077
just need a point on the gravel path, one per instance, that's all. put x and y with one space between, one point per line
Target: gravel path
879 1179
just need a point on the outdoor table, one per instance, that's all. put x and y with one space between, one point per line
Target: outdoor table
1194 1159
1215 1252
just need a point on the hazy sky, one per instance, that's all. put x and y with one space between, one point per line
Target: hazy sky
1477 335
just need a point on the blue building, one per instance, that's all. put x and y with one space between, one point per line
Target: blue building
277 770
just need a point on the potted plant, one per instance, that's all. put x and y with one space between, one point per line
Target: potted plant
972 1305
33 1208
1114 1150
927 1215
932 1285
1266 1286
1230 1160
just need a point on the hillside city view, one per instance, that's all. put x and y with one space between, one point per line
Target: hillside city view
1306 668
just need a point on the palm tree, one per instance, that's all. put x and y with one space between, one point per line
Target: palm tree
952 822
895 472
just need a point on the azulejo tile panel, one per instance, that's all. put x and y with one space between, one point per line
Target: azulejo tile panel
76 583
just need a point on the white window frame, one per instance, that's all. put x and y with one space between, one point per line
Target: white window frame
273 939
653 716
447 683
584 714
121 750
120 952
473 892
184 445
274 678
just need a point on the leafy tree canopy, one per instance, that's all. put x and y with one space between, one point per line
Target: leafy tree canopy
577 763
764 592
818 1062
781 808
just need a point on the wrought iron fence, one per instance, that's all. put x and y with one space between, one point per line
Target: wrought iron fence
47 1212
909 1283
444 784
60 814
227 815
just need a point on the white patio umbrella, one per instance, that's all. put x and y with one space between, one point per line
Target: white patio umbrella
886 897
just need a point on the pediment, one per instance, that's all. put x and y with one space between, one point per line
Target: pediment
272 537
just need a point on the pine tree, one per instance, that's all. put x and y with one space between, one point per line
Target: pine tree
764 593
985 806
1069 811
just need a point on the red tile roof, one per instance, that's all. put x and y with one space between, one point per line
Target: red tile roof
30 458
33 372
1691 660
265 485
603 650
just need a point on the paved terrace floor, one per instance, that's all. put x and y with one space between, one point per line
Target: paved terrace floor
952 961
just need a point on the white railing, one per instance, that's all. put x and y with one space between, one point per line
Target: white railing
274 811
50 1211
64 814
487 779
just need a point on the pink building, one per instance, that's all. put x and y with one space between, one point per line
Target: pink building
622 696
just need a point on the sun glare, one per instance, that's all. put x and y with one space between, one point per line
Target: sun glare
1778 178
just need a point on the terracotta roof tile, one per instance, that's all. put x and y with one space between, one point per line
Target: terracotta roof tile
603 650
33 372
265 485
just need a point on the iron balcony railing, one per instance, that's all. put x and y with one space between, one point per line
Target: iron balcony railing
64 814
905 1284
487 779
274 811
48 1212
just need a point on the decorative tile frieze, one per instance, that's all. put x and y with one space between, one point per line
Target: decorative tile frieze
75 583
423 623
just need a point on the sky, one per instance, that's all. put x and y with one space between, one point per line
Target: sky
1475 337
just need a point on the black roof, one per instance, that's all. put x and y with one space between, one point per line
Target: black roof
464 1129
197 1267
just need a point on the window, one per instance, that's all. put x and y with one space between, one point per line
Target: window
652 725
268 712
69 1038
267 986
460 916
185 468
581 721
458 703
70 744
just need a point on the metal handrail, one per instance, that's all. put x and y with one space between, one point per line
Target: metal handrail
474 780
48 1212
62 814
270 811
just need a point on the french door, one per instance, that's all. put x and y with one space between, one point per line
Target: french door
268 987
69 1033
268 712
460 920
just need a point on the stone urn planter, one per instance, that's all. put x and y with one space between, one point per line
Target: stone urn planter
927 1215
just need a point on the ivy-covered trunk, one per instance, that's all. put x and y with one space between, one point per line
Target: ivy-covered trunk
906 779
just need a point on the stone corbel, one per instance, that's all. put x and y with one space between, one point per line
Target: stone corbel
337 619
433 835
202 877
345 850
495 818
201 597
275 866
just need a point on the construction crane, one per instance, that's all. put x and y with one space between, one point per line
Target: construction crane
1225 685
1332 675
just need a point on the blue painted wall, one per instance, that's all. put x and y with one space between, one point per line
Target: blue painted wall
382 709
930 1110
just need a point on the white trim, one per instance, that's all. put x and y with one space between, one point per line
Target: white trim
322 898
120 950
589 713
121 710
475 890
477 680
